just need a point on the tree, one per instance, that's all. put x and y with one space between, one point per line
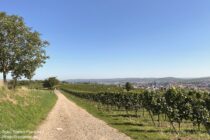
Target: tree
31 57
22 50
51 82
128 86
8 39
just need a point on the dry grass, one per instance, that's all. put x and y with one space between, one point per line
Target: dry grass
22 91
11 95
1 83
8 98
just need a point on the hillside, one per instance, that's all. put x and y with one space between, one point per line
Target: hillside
23 110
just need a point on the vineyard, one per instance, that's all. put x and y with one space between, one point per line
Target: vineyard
93 88
185 111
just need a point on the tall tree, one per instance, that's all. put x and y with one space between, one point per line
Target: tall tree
31 56
8 37
22 50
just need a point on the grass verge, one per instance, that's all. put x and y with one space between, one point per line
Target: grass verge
138 128
23 110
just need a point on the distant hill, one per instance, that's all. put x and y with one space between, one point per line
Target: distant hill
141 80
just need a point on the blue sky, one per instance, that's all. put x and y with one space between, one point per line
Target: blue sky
120 38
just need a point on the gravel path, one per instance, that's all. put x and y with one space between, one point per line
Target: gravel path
67 121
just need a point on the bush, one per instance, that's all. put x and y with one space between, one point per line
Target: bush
51 82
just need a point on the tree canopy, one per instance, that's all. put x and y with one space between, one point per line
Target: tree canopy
22 50
128 86
51 82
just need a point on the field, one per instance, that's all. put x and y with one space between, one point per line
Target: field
138 124
93 87
21 111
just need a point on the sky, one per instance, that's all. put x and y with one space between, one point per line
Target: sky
119 38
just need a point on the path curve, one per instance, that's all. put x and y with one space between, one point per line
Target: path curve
67 121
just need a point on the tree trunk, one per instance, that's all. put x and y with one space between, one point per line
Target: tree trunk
158 120
5 78
165 117
14 83
152 118
136 112
173 125
199 127
29 85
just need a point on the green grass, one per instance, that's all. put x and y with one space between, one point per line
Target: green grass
93 87
23 110
138 128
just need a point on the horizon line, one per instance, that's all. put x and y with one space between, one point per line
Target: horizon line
139 78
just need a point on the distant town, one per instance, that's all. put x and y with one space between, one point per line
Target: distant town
152 83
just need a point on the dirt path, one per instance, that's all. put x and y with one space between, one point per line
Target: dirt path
67 121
